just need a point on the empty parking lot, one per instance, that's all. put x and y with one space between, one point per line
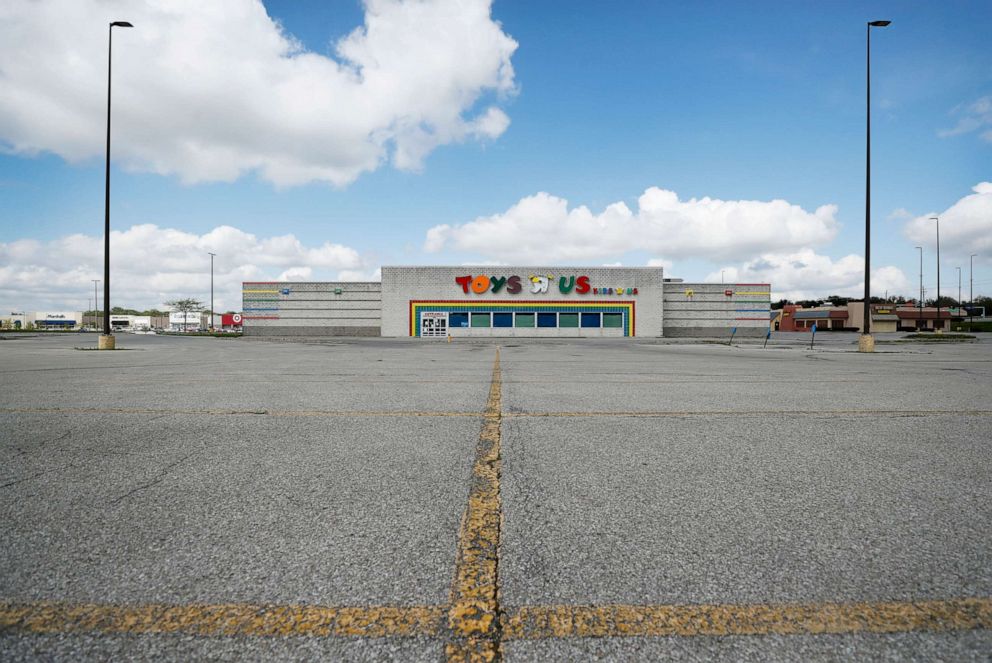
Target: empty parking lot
220 498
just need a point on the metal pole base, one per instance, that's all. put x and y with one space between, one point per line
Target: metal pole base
106 342
866 343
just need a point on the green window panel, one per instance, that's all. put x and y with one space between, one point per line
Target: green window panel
613 320
568 319
481 320
524 320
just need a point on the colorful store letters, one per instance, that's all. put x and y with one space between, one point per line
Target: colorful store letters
539 284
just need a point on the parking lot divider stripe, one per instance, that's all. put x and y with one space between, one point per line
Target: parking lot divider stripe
474 618
754 413
225 412
531 623
221 619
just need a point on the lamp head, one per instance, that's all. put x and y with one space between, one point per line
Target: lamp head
121 24
879 24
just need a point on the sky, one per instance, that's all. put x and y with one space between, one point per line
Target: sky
320 140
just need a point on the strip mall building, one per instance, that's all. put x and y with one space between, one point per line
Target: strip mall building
490 301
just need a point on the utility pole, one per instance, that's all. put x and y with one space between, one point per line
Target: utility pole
106 341
211 325
959 290
96 300
867 343
920 323
971 291
937 219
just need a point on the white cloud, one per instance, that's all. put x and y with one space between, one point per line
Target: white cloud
360 275
965 227
541 229
151 265
804 274
976 116
212 90
666 265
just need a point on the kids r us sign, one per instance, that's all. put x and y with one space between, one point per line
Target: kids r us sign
537 284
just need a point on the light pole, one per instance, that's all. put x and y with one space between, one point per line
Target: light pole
937 219
866 343
920 323
106 341
971 290
211 327
96 301
959 289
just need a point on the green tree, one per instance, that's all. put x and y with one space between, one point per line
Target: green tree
837 300
185 306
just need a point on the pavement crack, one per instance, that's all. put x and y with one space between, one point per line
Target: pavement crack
37 474
157 480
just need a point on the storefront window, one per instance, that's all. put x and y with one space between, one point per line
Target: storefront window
502 319
547 319
613 320
480 320
525 320
590 319
458 320
568 319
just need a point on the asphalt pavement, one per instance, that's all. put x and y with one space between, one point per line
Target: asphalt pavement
228 499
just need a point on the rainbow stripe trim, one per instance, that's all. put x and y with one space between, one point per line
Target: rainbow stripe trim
627 308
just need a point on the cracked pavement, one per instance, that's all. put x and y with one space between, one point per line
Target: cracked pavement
196 471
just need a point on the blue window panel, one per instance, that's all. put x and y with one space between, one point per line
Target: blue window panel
502 319
547 319
457 320
590 319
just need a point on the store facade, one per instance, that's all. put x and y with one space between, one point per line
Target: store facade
486 301
521 301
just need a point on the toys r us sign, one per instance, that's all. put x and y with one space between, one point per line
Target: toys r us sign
539 284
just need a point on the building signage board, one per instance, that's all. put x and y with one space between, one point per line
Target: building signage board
190 317
537 284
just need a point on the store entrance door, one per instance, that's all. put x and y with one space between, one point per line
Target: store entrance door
433 324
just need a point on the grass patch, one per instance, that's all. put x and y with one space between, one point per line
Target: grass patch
939 338
976 326
206 333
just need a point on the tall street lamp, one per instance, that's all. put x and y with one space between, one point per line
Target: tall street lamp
959 289
106 341
920 323
937 219
96 300
212 290
971 290
866 343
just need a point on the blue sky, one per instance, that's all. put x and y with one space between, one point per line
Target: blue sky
726 101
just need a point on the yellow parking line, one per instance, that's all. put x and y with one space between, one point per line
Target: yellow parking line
234 412
474 613
477 637
754 413
426 413
529 623
224 619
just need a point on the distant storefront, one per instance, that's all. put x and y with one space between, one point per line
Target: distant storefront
49 320
557 302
